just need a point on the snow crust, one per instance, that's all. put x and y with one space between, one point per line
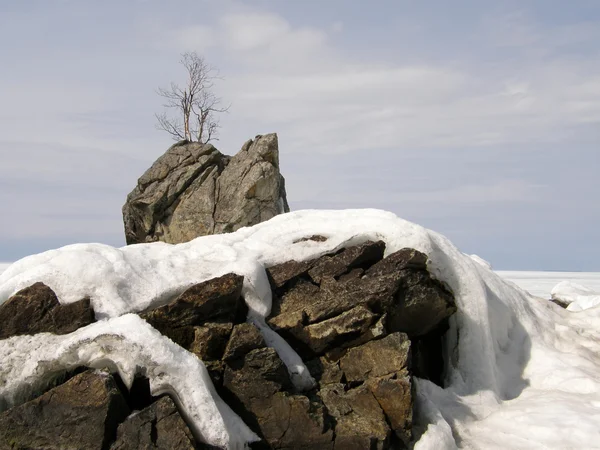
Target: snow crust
522 372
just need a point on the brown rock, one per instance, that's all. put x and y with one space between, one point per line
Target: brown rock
365 254
395 399
337 331
210 340
280 274
406 258
244 338
216 300
159 426
384 357
421 304
36 309
360 421
82 414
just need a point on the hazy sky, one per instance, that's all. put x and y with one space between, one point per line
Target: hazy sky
479 119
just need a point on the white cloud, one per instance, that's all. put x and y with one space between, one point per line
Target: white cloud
197 38
295 80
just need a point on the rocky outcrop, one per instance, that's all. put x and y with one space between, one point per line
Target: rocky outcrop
82 413
353 317
36 309
364 324
194 190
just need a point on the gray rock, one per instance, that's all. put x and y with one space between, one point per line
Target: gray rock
194 190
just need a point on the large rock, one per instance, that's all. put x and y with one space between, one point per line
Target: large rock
194 190
82 413
354 296
36 309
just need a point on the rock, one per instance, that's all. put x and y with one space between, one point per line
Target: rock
353 317
314 238
158 426
82 413
406 258
397 286
257 385
259 374
348 259
292 422
380 358
337 331
210 340
194 190
250 189
244 338
215 300
360 421
36 309
421 304
395 399
282 273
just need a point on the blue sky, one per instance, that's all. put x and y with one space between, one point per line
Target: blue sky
478 119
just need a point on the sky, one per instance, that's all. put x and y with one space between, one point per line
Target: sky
477 119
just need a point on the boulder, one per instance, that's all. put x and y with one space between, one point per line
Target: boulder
335 300
82 413
194 190
36 309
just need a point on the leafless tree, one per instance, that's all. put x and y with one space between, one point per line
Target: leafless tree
194 105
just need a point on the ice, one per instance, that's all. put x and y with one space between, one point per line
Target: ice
522 372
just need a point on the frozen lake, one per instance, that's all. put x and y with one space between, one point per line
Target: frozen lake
541 283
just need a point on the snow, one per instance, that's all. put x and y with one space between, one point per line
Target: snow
540 284
522 371
578 297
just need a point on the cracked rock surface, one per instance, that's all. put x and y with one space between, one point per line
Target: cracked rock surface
194 190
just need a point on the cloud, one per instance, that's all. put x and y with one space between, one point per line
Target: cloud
293 78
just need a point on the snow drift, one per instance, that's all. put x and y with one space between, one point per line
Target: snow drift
576 296
521 373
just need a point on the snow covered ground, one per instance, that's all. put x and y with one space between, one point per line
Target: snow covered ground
523 373
3 266
541 283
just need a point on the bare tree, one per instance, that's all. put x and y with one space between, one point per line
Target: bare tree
195 105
